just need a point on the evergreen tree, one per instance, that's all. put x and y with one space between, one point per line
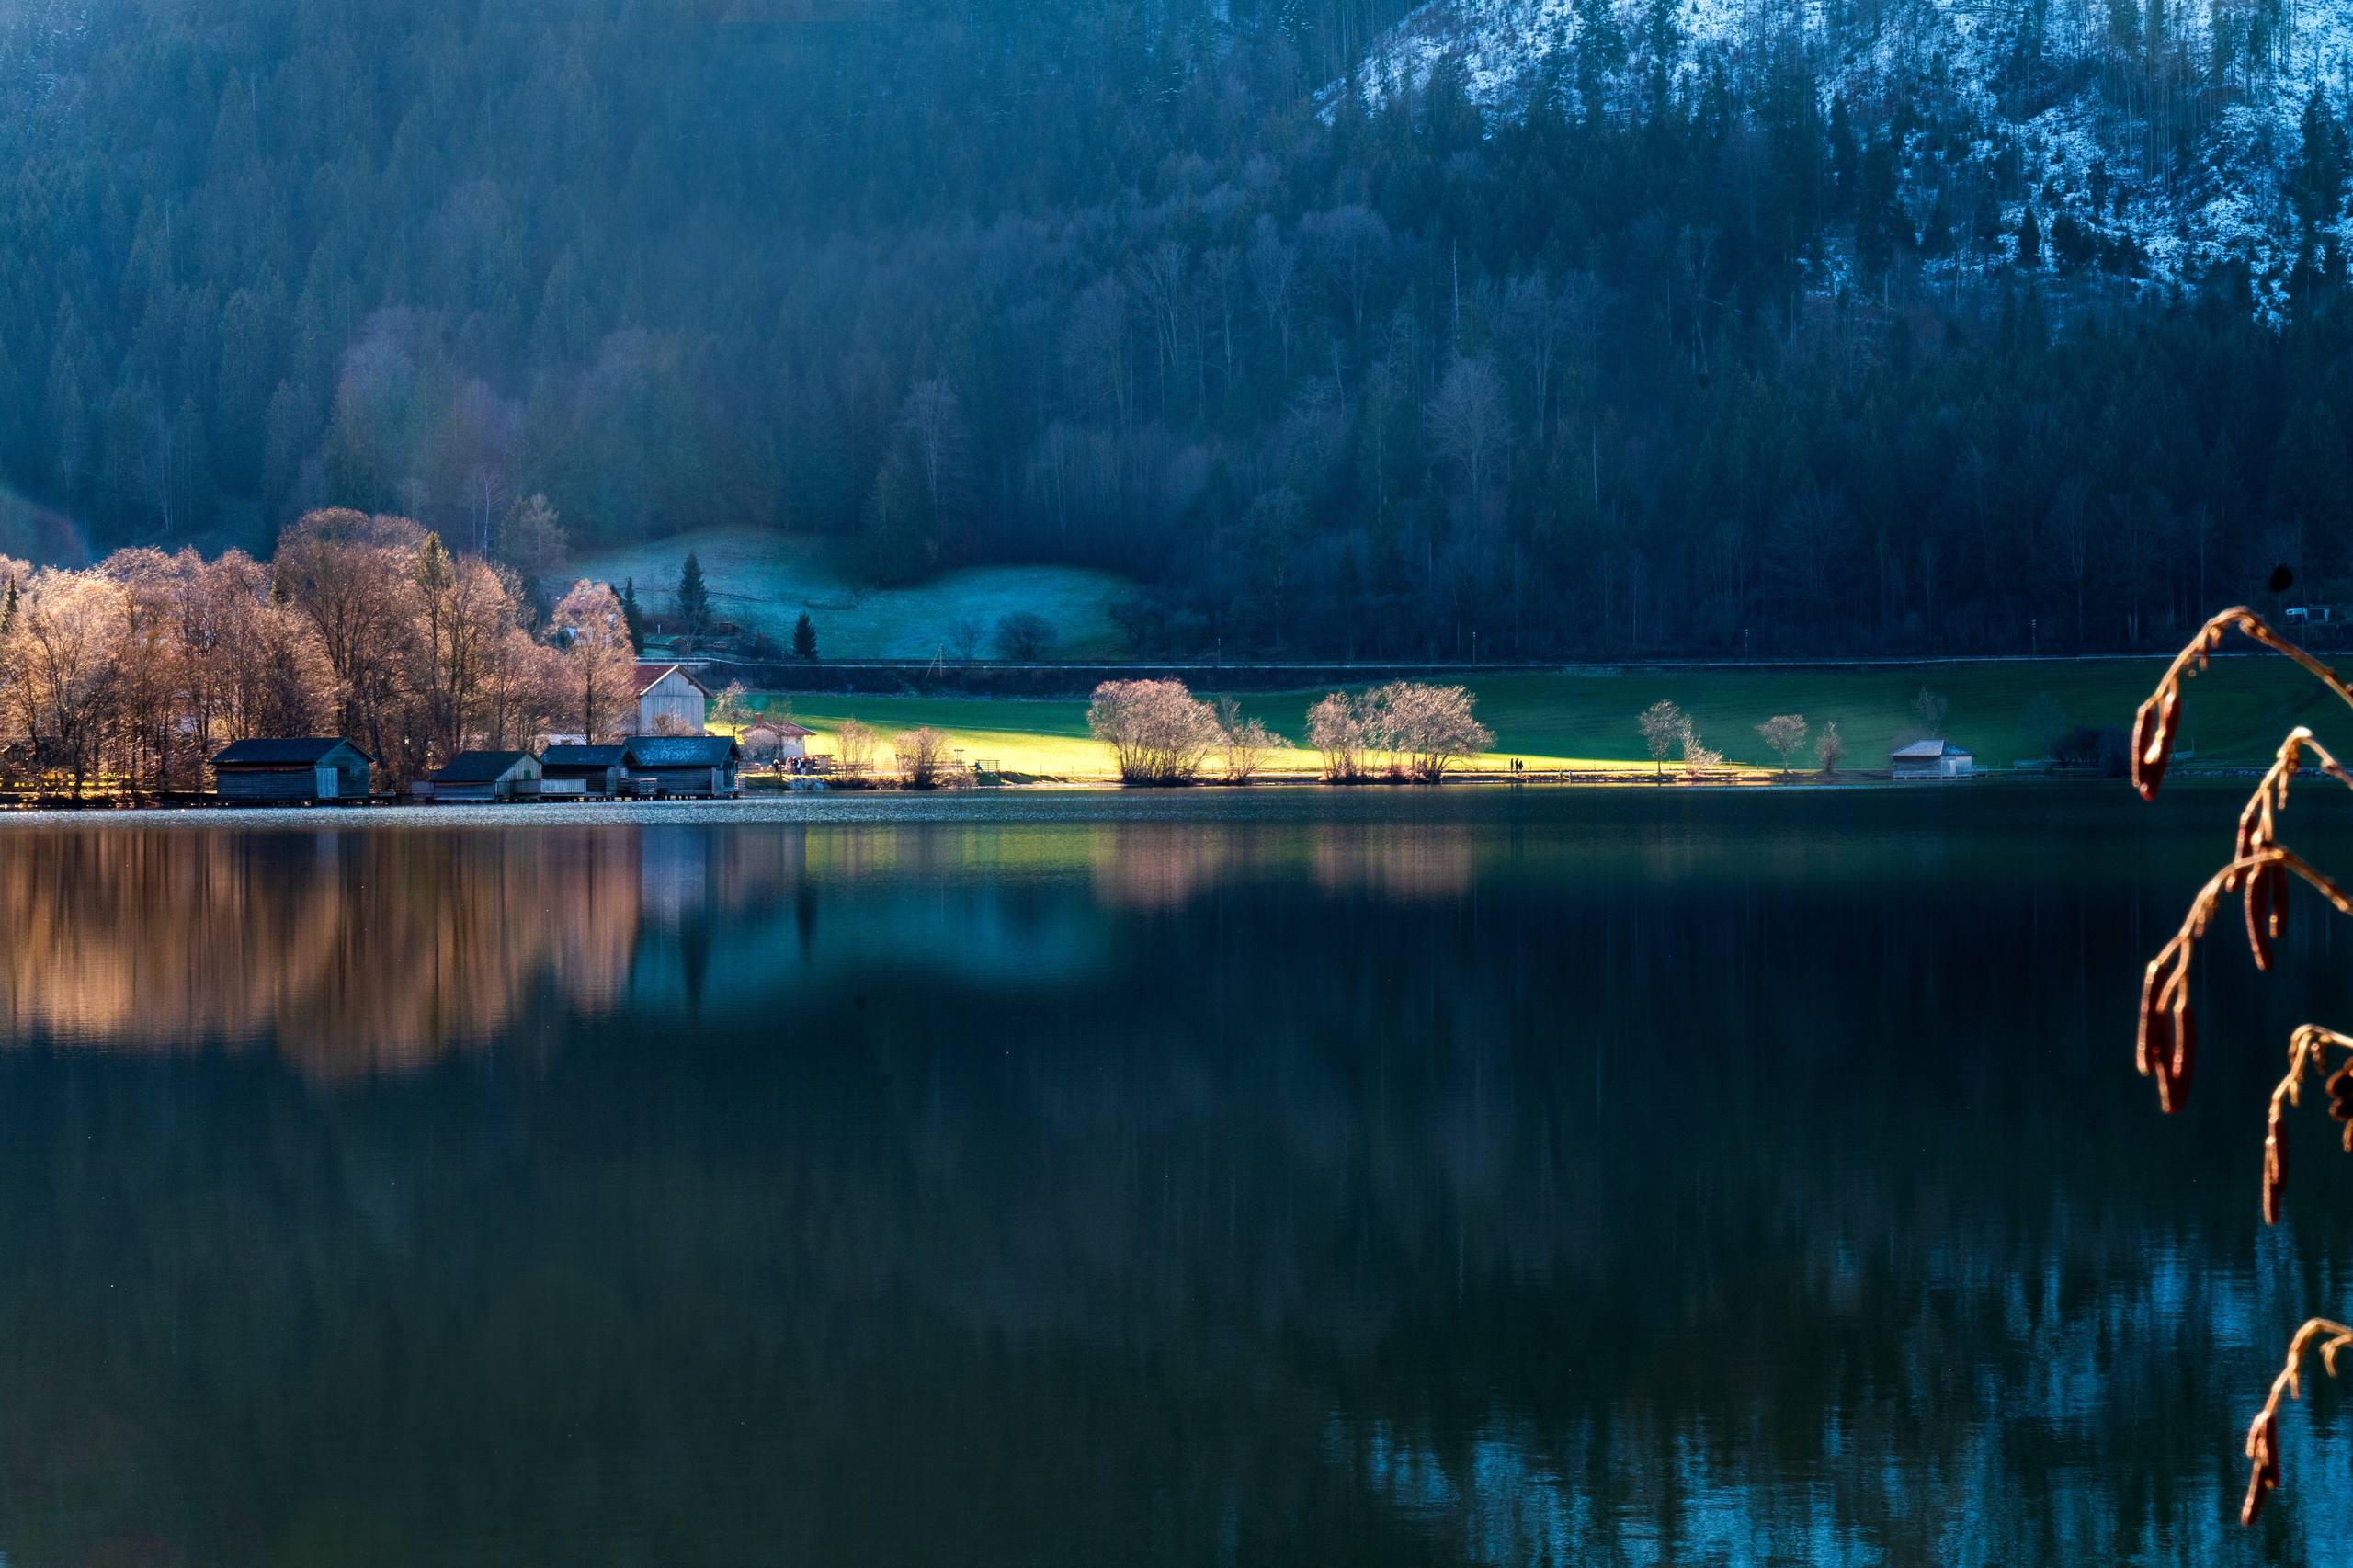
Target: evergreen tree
805 637
2317 183
694 602
632 616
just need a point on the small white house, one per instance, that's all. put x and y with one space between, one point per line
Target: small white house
776 740
1931 759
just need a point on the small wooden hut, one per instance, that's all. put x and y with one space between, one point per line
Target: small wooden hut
486 775
292 770
1931 759
598 769
698 765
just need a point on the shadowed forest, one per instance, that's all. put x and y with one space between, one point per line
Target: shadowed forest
1643 364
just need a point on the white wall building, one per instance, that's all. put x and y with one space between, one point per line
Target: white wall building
1931 759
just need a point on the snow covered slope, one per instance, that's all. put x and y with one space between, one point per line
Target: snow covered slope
2161 131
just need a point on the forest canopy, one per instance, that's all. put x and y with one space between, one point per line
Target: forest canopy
1643 364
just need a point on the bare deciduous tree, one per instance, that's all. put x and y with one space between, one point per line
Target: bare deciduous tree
1246 742
1785 733
922 757
1470 427
598 668
1159 732
1336 729
853 746
1663 726
1698 757
1431 727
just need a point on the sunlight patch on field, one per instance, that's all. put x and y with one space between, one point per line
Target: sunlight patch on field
1584 721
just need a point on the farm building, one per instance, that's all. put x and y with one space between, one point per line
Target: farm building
486 775
683 765
302 767
1929 759
774 740
670 701
597 769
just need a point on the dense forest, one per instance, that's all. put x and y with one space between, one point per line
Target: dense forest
1649 360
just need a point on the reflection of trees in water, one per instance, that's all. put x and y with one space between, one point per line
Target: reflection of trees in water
352 951
1727 1219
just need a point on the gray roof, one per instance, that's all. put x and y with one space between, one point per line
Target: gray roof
1928 749
583 756
682 751
479 767
283 751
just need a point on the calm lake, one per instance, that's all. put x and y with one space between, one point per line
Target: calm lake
1481 1175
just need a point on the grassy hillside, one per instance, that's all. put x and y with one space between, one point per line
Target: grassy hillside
764 581
2236 712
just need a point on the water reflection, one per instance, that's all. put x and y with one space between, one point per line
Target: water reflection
1639 1182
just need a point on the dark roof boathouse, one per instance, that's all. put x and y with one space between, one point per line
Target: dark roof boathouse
699 766
486 775
292 770
599 768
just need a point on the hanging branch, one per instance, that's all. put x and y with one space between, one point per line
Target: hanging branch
2259 871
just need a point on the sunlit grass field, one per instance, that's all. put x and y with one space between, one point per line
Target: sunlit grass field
2236 712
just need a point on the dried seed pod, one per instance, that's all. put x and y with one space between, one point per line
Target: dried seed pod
2156 1037
2263 1451
2259 896
2153 736
2185 1048
2275 1170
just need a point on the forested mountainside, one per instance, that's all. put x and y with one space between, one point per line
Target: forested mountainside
1604 328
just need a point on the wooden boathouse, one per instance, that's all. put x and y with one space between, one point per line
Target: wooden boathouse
486 775
292 770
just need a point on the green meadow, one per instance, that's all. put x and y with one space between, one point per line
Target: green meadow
2236 712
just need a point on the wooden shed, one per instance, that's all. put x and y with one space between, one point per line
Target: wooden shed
292 770
486 775
698 765
1931 759
670 700
776 740
597 769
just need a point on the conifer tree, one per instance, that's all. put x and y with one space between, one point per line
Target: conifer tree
805 637
694 602
633 616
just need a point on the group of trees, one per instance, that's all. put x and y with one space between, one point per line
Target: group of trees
139 668
1668 730
1373 373
1160 732
1415 730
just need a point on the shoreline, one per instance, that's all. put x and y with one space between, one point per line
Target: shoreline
838 805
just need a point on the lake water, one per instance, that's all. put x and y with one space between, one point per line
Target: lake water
1481 1177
